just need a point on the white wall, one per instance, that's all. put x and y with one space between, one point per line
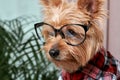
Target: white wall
10 9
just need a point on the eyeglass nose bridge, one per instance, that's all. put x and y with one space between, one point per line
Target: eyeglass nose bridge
58 31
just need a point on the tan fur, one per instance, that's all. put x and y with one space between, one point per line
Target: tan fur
61 12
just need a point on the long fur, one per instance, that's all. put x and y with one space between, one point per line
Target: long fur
61 12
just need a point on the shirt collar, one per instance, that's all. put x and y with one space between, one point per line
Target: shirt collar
103 63
96 64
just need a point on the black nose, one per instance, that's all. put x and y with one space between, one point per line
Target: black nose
54 52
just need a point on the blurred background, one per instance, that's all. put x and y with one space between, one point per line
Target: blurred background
112 27
20 55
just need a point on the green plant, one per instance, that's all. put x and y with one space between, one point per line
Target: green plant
20 55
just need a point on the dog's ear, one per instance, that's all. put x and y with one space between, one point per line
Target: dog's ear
91 6
51 2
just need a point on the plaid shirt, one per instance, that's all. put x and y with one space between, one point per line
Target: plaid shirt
103 66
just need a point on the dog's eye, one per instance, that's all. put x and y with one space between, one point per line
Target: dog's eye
51 33
71 32
47 34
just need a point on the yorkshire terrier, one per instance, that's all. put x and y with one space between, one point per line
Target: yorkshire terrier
74 39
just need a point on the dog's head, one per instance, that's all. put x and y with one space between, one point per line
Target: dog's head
71 31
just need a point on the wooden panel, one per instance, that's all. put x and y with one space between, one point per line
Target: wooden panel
114 28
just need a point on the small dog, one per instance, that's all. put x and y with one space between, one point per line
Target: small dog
74 39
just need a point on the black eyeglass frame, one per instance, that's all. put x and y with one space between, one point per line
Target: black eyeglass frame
85 27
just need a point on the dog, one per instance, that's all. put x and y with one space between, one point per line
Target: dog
74 39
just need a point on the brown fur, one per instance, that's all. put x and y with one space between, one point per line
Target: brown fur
61 12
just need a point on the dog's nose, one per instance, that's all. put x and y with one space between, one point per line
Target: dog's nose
54 52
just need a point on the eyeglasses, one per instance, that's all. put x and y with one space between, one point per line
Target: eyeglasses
72 34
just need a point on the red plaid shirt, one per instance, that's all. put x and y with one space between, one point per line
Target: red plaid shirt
103 66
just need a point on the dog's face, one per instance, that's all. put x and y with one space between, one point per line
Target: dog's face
68 45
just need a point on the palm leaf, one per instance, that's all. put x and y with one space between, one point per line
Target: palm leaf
20 55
